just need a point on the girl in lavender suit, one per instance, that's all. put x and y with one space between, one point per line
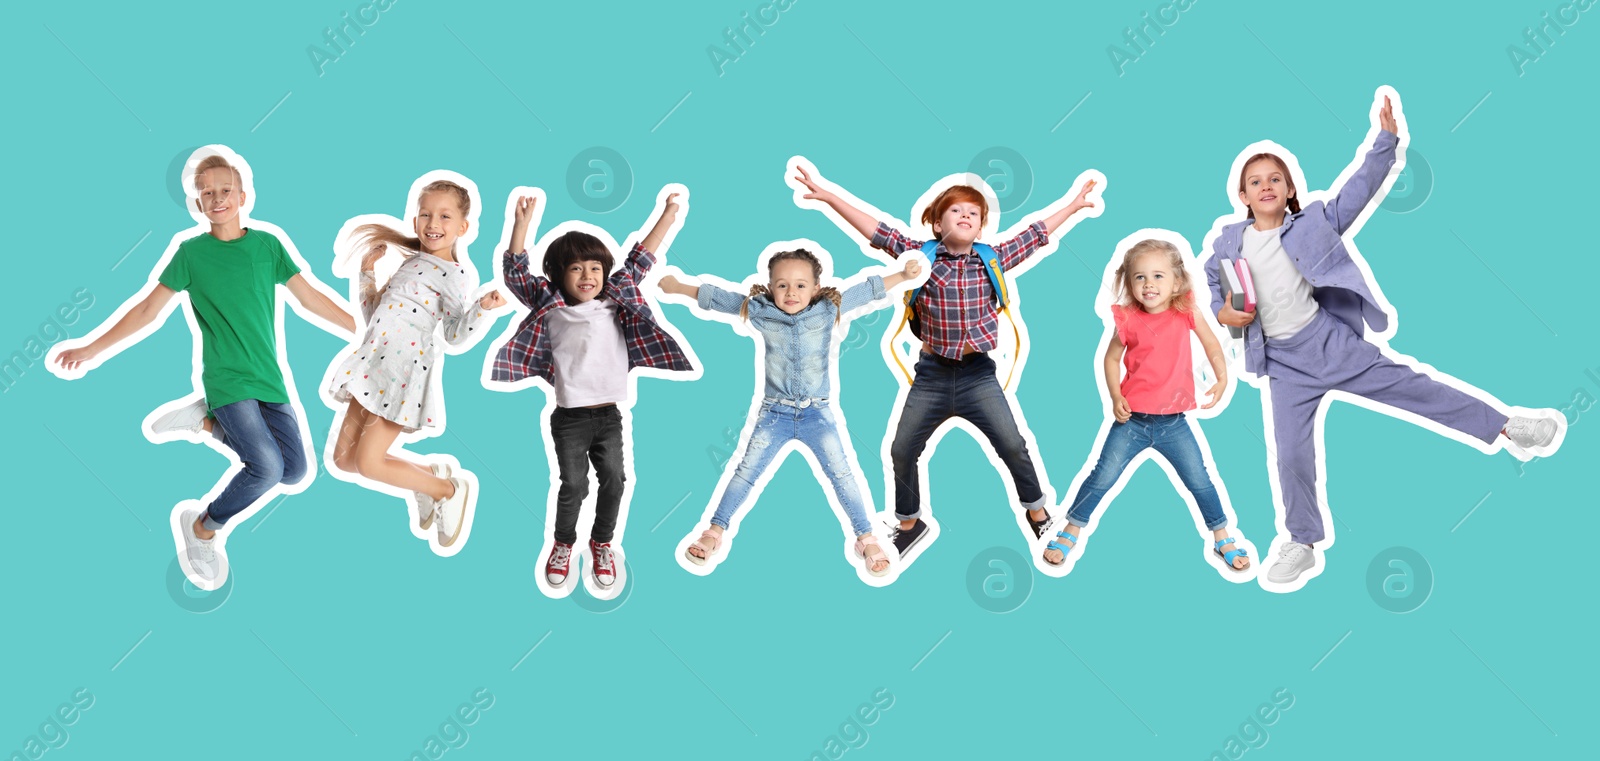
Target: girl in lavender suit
1305 338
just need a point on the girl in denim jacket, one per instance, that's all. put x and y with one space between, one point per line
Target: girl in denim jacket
797 319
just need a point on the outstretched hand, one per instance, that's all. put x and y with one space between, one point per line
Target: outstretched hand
521 218
492 300
72 359
1386 117
1082 201
816 192
1215 393
913 268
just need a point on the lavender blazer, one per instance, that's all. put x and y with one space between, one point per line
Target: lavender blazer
1311 237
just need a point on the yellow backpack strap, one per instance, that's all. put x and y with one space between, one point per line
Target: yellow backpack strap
997 277
894 341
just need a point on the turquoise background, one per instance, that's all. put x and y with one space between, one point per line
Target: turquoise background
342 637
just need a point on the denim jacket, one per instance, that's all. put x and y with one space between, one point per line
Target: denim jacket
1311 237
799 346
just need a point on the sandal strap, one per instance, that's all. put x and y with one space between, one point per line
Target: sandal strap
1067 536
1220 543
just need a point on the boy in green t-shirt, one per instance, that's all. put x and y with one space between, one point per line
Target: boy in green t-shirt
230 274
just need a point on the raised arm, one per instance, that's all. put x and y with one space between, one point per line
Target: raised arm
673 286
141 314
318 303
1358 191
368 280
658 233
856 218
1079 203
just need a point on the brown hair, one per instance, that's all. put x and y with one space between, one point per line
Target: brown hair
1288 178
950 197
1181 299
801 255
366 235
215 161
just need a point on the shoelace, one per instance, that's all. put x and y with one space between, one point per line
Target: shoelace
560 556
1291 552
208 551
602 560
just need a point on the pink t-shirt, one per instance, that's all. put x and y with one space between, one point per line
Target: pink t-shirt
1160 369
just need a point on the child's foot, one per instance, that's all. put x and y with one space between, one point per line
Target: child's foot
707 545
1294 559
188 419
1236 558
1531 432
1039 520
425 503
205 561
555 568
452 513
1055 553
602 563
906 537
871 554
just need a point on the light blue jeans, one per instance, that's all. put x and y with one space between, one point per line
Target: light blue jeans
812 423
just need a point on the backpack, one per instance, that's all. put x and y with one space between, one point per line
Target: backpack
997 282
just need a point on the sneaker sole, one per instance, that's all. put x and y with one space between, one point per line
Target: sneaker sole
466 510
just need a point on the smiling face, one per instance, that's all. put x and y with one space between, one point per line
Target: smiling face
793 285
1265 187
959 225
439 222
582 281
1151 281
221 195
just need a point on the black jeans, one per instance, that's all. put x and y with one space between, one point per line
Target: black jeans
583 435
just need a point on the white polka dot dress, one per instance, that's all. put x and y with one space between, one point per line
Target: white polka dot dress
392 371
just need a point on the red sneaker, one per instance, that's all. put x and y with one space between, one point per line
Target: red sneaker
604 563
555 569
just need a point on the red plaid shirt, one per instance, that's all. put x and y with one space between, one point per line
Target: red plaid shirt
957 303
527 354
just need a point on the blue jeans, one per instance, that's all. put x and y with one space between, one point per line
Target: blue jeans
1172 438
266 436
584 435
966 389
812 423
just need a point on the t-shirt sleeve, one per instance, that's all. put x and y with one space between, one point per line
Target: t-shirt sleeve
176 275
283 266
1122 322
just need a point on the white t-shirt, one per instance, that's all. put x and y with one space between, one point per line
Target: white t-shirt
589 357
1284 303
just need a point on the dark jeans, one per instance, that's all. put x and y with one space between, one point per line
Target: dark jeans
584 435
967 389
266 436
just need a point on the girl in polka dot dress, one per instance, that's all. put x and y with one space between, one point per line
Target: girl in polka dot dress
388 380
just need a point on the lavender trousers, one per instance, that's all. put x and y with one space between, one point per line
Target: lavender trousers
1326 355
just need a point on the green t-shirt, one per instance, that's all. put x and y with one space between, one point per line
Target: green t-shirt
231 289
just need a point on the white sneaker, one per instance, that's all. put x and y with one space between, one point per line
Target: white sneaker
1531 432
452 513
189 418
1294 559
205 561
425 503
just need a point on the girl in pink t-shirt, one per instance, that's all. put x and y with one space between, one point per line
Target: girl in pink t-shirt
1154 317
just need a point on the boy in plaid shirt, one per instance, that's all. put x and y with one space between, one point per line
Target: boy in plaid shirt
586 329
955 378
